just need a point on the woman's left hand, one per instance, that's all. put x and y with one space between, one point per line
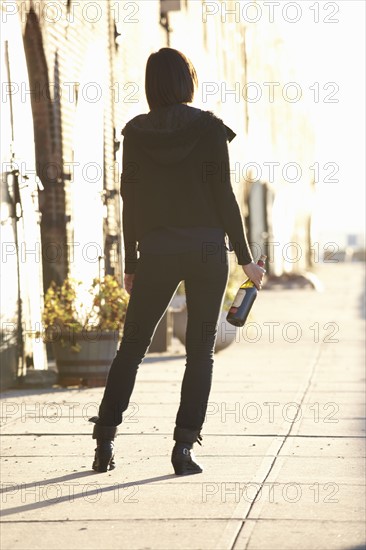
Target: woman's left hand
128 279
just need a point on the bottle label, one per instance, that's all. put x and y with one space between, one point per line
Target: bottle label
239 297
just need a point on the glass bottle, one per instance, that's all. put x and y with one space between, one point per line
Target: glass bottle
244 299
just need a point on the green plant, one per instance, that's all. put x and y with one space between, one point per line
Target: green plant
64 310
110 303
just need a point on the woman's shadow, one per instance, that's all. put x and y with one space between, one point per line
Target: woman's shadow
31 488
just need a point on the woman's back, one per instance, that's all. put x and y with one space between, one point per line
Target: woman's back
176 173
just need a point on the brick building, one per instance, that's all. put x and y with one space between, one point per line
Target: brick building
84 79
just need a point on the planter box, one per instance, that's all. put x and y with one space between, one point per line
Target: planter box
89 366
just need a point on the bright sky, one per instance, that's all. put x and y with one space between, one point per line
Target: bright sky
335 52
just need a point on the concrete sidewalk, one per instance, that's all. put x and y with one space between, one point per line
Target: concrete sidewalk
282 445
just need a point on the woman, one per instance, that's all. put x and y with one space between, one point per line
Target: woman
178 205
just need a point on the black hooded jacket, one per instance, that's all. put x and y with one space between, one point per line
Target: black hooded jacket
176 173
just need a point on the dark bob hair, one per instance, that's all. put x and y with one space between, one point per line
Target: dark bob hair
170 78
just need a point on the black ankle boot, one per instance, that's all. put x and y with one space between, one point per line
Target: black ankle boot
104 453
183 459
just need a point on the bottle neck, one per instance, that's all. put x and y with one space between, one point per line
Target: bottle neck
247 284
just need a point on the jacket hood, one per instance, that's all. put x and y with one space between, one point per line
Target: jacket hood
168 134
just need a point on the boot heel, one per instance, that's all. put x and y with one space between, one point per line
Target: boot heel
183 459
182 469
104 457
104 453
183 462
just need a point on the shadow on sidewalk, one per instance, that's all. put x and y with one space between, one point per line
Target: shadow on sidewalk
14 488
26 392
22 390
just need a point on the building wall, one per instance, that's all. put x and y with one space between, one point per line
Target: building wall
230 53
86 66
238 63
21 255
75 52
281 145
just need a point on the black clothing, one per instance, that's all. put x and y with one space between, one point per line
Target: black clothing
174 240
178 204
156 280
176 173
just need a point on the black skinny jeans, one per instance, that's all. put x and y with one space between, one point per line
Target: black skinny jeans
156 280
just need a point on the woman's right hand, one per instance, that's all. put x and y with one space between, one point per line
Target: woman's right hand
255 273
